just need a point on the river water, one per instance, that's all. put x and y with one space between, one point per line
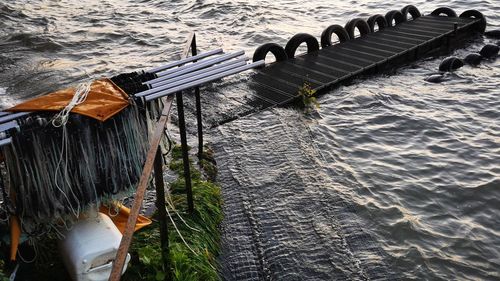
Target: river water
392 178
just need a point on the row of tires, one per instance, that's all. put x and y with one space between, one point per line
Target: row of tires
347 32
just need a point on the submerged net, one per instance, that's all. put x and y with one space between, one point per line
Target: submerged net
56 173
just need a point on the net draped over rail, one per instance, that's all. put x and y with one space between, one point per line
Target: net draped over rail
56 173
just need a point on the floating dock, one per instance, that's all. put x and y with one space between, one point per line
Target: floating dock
397 41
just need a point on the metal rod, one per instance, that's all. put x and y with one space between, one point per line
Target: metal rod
192 67
185 154
200 71
13 116
162 214
205 80
190 78
5 141
199 119
8 126
186 60
3 113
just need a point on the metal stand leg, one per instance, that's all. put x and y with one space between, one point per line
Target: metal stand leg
199 122
162 214
185 155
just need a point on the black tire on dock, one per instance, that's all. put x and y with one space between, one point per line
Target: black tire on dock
477 15
412 10
451 64
444 10
361 24
376 19
394 15
326 35
297 39
275 49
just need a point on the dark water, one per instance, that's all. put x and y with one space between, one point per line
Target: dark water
393 178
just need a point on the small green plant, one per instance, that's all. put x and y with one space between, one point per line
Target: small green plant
306 93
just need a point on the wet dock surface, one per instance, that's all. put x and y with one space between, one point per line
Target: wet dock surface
279 83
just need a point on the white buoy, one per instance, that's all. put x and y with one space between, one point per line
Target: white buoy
89 248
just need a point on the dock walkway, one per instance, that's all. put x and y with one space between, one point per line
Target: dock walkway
278 83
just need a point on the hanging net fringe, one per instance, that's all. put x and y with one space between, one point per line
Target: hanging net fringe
55 173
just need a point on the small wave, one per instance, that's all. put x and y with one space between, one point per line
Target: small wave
34 42
5 10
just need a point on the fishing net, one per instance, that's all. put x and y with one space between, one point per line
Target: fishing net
55 173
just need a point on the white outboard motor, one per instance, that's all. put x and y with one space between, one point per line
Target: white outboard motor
90 247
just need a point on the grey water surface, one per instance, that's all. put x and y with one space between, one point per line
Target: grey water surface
392 178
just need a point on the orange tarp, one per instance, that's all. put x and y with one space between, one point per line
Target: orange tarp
15 236
104 100
121 218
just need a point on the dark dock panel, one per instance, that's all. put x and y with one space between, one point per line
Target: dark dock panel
279 82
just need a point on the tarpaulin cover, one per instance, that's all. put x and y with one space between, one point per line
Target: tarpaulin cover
104 100
121 218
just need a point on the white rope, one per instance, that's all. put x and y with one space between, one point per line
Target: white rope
34 257
170 203
81 93
178 232
64 155
169 197
14 273
60 120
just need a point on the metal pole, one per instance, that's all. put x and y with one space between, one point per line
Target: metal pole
199 119
162 214
185 154
185 60
192 67
13 116
199 122
204 80
191 77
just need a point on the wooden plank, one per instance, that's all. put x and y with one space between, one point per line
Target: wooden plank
349 56
270 94
317 66
430 26
300 74
316 75
387 41
279 81
446 20
121 254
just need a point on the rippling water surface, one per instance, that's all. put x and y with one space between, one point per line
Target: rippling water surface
393 178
